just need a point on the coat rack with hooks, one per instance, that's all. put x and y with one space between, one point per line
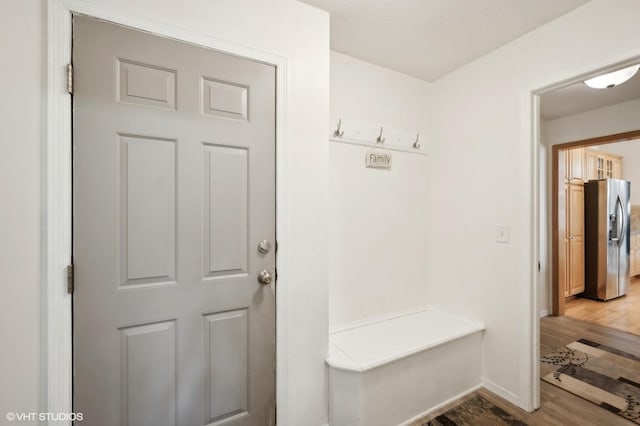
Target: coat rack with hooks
365 134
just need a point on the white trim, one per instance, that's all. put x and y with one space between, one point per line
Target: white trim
528 375
441 405
56 195
56 219
500 391
543 313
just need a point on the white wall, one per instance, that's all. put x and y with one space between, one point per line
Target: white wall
482 151
622 117
378 218
20 33
619 118
282 27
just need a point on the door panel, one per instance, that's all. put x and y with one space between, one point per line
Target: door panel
225 210
592 167
147 363
575 228
576 266
576 210
563 240
174 187
576 162
146 84
226 391
147 172
563 267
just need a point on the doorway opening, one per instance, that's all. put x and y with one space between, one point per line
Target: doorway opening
577 249
573 157
589 134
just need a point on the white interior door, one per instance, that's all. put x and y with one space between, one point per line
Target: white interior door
174 189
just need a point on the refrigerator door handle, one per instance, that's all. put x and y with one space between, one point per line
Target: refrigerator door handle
621 222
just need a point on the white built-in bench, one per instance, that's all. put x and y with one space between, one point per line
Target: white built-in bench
392 370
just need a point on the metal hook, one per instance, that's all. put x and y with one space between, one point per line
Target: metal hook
380 138
416 144
337 133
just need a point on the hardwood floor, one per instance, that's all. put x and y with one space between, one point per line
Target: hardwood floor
622 313
559 407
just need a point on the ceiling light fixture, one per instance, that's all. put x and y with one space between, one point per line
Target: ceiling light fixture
612 79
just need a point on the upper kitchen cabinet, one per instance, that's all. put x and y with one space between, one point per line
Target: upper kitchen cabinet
574 165
602 165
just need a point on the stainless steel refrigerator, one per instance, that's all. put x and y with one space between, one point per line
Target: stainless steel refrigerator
607 211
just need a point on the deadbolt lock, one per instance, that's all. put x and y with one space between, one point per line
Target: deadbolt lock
264 247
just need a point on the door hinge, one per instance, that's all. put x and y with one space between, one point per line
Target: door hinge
70 279
70 79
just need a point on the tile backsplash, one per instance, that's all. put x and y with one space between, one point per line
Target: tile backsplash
635 218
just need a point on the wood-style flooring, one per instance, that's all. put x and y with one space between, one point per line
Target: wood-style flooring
622 313
559 407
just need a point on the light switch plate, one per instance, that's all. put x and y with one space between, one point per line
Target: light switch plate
502 233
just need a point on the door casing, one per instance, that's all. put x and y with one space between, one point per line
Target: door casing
530 111
56 214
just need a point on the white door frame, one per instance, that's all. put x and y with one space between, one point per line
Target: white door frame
56 236
531 122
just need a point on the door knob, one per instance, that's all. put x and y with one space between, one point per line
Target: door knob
265 277
264 246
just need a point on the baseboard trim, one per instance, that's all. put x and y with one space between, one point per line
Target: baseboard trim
501 392
487 384
439 406
543 313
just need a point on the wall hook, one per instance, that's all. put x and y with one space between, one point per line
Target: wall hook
416 144
380 138
337 133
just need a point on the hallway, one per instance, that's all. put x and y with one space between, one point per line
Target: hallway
622 313
559 407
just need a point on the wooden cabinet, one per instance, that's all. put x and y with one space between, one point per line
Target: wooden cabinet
591 165
575 239
617 168
563 237
573 166
571 224
577 166
601 165
634 259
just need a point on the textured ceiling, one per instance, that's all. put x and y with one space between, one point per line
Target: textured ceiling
578 97
430 38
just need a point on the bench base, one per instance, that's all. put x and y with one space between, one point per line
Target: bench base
407 387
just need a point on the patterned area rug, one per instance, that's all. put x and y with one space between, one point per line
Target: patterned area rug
475 411
600 374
